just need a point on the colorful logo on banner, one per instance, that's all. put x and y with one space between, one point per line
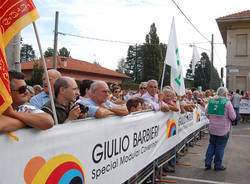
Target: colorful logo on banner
60 169
171 128
197 116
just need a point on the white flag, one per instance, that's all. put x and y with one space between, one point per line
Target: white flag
173 59
195 58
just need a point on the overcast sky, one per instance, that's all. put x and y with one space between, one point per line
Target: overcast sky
129 21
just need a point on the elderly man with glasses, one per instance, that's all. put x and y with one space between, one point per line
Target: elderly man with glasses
27 114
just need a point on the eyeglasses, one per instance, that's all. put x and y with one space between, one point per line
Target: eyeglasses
117 91
21 90
143 88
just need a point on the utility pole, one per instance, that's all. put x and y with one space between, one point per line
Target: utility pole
136 72
212 61
55 41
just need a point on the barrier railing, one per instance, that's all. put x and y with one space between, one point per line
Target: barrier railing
109 150
155 168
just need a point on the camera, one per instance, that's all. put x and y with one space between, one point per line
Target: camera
83 108
198 101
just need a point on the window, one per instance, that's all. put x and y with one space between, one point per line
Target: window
241 45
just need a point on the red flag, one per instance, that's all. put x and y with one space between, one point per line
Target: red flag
14 16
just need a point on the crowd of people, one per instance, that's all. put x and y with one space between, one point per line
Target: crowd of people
32 107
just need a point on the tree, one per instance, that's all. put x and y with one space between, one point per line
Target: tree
202 75
152 56
36 75
216 80
96 63
202 72
49 52
64 52
27 53
133 64
121 67
166 80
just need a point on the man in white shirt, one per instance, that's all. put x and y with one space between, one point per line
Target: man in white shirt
153 98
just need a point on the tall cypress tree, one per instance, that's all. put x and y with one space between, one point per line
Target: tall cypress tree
152 56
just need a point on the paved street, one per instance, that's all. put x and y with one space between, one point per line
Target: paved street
236 159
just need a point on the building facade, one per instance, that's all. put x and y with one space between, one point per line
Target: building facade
235 31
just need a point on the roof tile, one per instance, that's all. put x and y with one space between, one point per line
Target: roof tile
74 65
242 14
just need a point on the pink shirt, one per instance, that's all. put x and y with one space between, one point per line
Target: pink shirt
136 95
220 125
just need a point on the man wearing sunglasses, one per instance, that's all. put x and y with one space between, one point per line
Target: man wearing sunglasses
26 113
142 90
39 100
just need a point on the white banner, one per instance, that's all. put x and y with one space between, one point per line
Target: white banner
244 106
108 150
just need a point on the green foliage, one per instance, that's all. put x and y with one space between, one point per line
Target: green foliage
96 63
36 75
166 80
202 74
64 52
27 53
49 52
189 83
189 74
145 62
130 85
121 66
152 56
133 64
216 80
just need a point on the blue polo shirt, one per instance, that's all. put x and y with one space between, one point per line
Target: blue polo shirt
39 100
93 106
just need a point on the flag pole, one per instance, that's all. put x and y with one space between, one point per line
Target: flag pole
46 74
163 75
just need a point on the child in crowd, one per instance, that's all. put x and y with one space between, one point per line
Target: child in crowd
134 104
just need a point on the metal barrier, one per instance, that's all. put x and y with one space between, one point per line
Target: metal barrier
155 168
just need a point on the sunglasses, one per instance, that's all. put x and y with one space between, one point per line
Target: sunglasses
143 88
117 91
21 90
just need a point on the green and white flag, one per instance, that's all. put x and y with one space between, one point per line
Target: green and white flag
173 59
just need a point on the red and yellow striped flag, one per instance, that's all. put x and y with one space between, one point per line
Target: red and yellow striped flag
14 16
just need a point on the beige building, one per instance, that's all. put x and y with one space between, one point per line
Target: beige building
235 31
